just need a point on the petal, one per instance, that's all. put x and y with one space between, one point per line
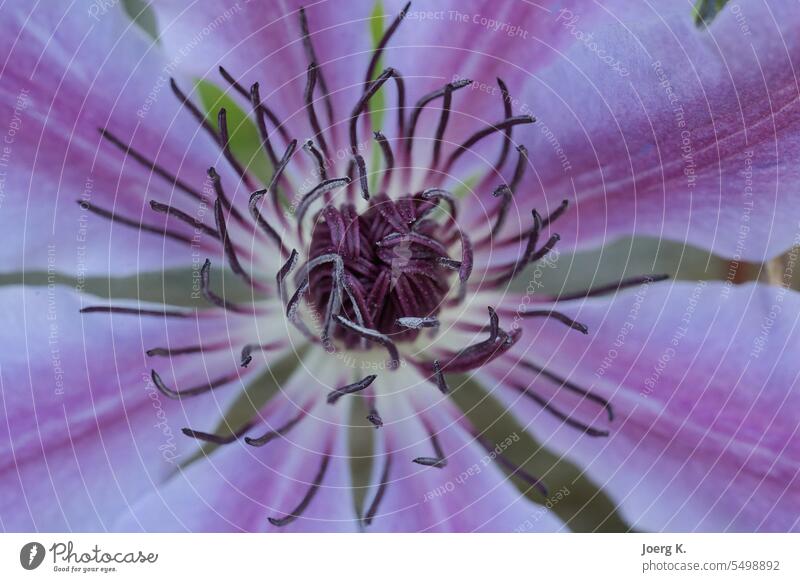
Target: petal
87 431
239 486
68 75
703 380
654 127
471 493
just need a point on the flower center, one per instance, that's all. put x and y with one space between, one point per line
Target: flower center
384 266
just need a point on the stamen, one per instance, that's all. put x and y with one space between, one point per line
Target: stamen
278 432
398 238
227 245
417 322
565 418
169 352
309 496
438 194
152 166
225 144
315 153
479 135
320 189
362 174
556 213
375 418
334 395
439 460
504 192
181 215
375 336
189 392
312 57
283 272
216 438
571 386
311 82
507 112
438 375
558 316
256 103
376 501
494 325
134 311
250 348
362 103
519 169
527 255
219 191
387 35
420 105
388 158
211 297
277 175
613 287
193 109
114 217
263 132
481 353
442 127
268 229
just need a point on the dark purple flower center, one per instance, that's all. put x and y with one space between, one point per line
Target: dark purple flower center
391 266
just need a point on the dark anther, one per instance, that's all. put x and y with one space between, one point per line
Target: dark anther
420 105
507 112
169 352
442 127
481 353
211 297
613 287
374 336
362 103
494 325
439 460
248 350
479 135
309 496
134 311
151 165
504 193
438 376
519 169
114 217
334 395
375 418
553 216
278 432
225 144
320 189
256 102
571 386
558 316
181 215
283 272
376 501
312 57
194 391
216 438
388 159
565 418
315 153
263 132
311 82
219 192
417 322
362 176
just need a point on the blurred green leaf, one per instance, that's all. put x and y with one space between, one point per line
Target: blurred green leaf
244 139
705 11
142 13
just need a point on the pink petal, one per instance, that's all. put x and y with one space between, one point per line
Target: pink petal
693 136
67 75
238 487
703 380
471 493
86 431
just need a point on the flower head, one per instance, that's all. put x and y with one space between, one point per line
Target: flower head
379 261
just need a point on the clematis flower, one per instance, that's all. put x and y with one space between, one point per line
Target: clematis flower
422 170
